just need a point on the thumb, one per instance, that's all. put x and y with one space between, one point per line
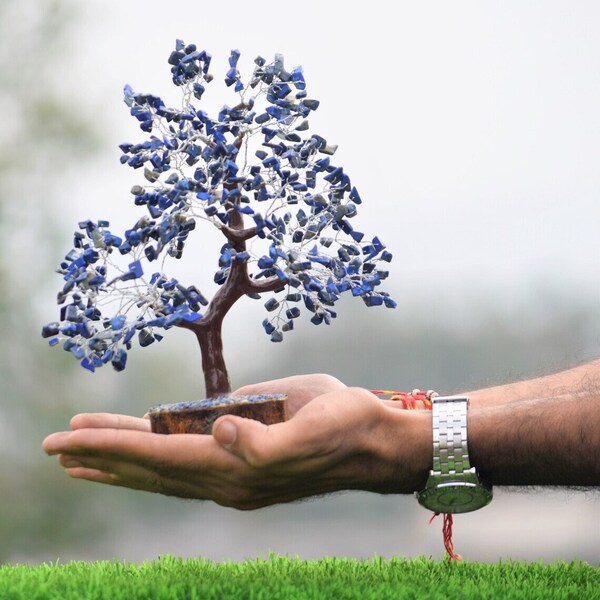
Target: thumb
245 438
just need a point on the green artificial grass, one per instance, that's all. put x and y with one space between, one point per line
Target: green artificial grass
171 578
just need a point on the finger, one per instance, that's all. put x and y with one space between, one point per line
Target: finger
106 441
117 469
114 472
176 488
108 421
160 452
289 443
98 476
90 475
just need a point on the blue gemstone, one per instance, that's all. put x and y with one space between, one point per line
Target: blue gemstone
72 314
170 285
158 322
334 176
271 162
317 319
311 104
221 276
96 280
93 313
119 360
231 76
77 351
242 257
292 313
389 302
50 329
277 336
117 322
191 316
150 253
269 328
88 364
271 304
309 303
85 330
281 90
225 259
145 338
298 78
373 300
234 57
125 247
135 270
265 262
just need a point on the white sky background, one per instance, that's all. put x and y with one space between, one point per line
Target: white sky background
471 129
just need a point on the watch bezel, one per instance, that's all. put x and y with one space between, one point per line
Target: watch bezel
471 491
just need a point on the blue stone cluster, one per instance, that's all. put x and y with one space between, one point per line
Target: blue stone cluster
296 202
225 400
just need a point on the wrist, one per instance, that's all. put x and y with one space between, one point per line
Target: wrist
406 449
454 484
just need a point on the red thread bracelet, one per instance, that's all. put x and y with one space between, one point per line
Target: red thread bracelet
409 401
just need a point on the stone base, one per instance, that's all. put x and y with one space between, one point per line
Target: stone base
199 416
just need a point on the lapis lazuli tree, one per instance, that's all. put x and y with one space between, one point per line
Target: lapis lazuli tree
257 175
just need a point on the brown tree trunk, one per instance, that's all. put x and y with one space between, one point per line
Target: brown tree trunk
238 283
216 378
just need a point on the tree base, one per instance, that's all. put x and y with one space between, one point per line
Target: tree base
199 416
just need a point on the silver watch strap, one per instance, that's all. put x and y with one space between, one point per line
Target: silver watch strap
450 453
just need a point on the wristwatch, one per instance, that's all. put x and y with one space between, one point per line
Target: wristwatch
453 485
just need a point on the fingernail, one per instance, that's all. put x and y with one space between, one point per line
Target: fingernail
71 463
227 433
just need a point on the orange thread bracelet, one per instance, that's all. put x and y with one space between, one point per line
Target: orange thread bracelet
410 401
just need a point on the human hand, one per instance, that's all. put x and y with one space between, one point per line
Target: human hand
299 389
337 438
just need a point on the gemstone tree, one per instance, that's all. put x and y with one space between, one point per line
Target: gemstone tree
254 173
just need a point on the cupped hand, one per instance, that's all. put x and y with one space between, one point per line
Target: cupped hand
336 438
299 389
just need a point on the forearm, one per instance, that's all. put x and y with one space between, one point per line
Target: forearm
550 441
543 441
584 377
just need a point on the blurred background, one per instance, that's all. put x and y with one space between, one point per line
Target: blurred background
471 130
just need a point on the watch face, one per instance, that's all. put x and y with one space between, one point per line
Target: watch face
455 497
